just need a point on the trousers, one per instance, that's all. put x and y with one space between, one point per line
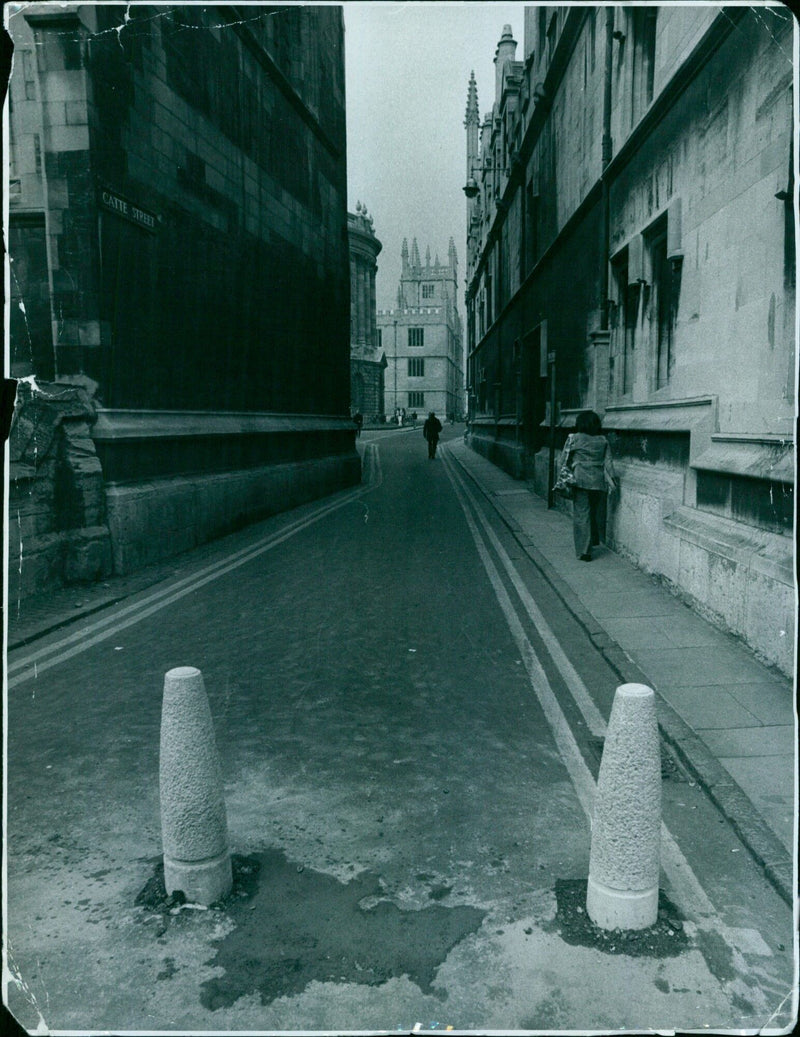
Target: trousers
587 508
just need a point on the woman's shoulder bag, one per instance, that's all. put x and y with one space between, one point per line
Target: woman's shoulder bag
565 483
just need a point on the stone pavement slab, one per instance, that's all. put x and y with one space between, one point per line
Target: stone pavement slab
637 632
711 706
635 602
754 775
751 741
685 632
699 665
730 714
766 701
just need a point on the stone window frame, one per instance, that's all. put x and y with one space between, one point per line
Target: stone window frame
416 367
662 302
625 322
643 28
416 337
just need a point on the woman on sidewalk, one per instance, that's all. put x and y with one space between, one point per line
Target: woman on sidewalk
588 454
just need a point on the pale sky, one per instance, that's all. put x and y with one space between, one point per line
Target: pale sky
407 71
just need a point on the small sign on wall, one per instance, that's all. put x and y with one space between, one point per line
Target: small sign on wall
113 202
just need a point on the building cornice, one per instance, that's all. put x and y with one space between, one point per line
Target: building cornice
120 424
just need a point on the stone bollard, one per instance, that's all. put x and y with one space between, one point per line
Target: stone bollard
194 826
622 892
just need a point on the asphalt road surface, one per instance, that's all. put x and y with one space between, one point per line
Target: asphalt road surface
410 724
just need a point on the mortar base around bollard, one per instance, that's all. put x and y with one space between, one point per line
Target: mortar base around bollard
202 882
621 908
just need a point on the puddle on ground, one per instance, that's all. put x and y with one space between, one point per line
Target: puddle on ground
294 925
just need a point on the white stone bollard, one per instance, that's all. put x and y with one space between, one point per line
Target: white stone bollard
622 892
194 824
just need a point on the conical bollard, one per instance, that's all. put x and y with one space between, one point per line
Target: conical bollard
622 891
194 825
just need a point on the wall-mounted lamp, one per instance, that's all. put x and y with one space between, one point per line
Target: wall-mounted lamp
618 35
471 187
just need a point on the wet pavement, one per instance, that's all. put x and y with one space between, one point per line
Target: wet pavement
405 827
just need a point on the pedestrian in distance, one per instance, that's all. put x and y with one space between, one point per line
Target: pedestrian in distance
358 421
588 454
431 430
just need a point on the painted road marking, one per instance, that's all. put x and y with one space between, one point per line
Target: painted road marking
568 747
578 689
31 664
688 890
674 863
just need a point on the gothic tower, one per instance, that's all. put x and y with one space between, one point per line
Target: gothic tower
506 49
472 124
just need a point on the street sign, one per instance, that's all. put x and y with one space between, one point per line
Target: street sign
122 207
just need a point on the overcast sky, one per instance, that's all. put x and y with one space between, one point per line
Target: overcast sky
408 67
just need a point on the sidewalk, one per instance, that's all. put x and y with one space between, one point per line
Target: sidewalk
730 719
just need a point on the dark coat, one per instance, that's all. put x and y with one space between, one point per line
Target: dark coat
431 428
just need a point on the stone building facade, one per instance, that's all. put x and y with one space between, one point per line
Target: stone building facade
631 249
178 245
422 338
367 361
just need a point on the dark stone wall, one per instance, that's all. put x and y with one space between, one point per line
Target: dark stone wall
564 291
367 388
29 312
232 137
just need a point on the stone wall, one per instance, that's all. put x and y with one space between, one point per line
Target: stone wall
367 388
179 225
156 519
58 532
694 375
184 164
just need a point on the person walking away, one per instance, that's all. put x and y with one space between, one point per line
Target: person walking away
358 421
589 456
431 430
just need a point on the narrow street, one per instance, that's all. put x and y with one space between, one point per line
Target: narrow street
410 724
